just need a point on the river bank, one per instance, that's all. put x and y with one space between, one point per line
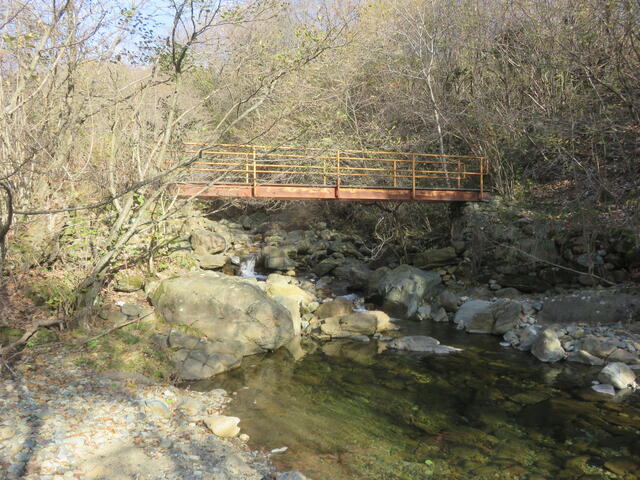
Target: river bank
61 421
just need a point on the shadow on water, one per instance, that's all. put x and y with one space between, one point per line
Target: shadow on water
346 411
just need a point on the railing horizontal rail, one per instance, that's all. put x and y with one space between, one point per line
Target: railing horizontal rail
289 166
317 149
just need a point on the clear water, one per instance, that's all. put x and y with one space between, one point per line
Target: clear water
347 412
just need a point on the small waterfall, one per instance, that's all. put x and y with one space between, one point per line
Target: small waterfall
248 267
358 302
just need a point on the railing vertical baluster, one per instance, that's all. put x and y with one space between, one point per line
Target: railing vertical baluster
246 168
338 174
413 176
395 173
459 173
324 171
255 175
481 176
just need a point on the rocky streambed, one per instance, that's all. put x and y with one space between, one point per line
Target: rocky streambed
418 374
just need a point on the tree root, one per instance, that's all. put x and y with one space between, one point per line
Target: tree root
28 334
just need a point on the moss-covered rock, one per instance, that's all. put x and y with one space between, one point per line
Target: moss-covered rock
129 283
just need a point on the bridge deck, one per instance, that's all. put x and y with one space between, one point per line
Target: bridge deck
314 192
292 173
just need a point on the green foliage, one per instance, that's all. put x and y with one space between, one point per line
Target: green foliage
54 293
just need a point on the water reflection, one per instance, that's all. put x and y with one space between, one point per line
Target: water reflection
347 412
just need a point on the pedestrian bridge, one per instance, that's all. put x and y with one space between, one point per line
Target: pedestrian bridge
297 173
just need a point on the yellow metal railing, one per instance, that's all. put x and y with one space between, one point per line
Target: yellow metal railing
264 165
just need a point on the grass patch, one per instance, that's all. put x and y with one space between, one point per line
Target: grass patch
128 349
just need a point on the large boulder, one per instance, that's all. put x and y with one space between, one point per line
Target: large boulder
355 272
404 289
326 266
618 374
435 257
547 347
204 241
226 309
481 316
277 258
592 308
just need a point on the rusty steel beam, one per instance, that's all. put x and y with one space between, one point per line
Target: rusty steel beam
301 192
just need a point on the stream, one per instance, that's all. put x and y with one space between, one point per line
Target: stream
345 411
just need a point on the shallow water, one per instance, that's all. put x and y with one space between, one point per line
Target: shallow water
346 412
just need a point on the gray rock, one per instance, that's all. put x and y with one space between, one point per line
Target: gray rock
424 313
128 284
528 335
326 266
547 347
508 292
449 300
480 316
403 289
511 337
357 323
223 426
334 308
420 343
277 258
435 257
584 357
475 316
355 272
208 261
604 389
506 314
157 407
203 242
624 356
591 308
598 346
618 374
293 307
440 316
116 317
198 365
225 309
132 309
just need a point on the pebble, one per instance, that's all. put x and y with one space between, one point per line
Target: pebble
61 418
